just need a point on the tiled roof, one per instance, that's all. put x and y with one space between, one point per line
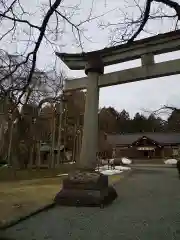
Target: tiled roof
126 139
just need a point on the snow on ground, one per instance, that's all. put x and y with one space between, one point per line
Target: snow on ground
4 166
110 172
69 163
122 168
62 174
170 161
104 170
126 160
118 169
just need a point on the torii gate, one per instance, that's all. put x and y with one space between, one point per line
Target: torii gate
94 62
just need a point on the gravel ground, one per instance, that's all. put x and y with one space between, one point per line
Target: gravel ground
148 207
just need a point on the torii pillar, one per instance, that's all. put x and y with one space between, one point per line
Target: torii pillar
93 69
86 187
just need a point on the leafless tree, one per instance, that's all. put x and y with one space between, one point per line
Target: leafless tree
134 17
18 27
22 27
166 110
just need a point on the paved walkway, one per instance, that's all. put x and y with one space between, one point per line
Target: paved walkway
148 207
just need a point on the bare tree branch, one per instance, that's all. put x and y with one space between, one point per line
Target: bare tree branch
146 14
164 110
129 26
144 21
10 7
20 20
73 26
171 4
49 13
126 31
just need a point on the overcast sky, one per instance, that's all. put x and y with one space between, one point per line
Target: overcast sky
134 97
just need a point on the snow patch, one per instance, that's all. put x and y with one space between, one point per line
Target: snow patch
69 163
126 160
62 174
104 170
171 161
118 169
122 168
111 172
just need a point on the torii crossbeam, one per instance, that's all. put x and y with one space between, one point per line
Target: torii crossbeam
144 49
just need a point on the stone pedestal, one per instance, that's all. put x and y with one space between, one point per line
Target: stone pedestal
83 188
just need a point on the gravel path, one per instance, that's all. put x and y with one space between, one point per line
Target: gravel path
148 207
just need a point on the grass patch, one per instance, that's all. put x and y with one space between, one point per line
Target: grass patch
24 191
114 178
9 174
20 198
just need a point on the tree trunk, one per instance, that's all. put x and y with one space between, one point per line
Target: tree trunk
59 133
38 161
32 147
65 132
74 143
10 142
31 156
2 138
79 142
52 161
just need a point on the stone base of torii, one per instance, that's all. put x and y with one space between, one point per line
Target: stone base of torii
86 187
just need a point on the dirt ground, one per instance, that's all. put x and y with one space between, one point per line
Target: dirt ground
19 198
